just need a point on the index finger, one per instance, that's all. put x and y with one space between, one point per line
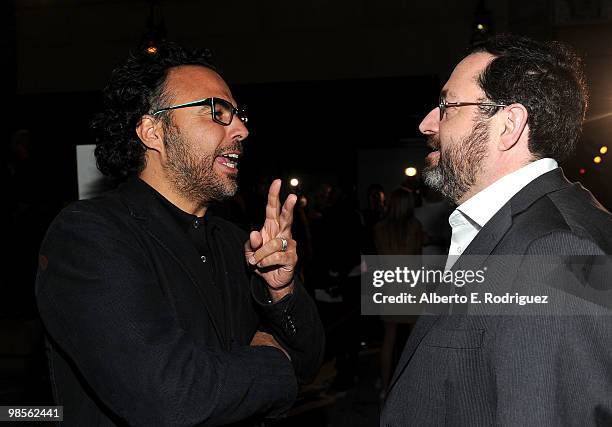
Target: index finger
273 206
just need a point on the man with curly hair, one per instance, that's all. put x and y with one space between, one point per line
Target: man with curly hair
157 312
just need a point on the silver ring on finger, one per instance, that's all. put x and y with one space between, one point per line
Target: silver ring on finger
284 244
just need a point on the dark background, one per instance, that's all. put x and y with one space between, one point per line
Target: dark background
334 89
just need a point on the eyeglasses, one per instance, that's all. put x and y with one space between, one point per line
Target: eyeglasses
222 111
443 105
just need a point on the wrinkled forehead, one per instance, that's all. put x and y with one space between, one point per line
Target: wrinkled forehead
188 83
463 82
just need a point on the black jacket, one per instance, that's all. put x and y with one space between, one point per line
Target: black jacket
518 370
135 338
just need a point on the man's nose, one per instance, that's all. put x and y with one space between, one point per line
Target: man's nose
431 122
238 129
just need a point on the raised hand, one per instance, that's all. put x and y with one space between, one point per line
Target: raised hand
272 251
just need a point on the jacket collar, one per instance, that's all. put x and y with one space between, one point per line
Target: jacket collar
495 229
141 201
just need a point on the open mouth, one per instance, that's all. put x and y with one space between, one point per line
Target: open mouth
229 160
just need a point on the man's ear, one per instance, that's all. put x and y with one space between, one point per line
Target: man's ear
151 133
513 126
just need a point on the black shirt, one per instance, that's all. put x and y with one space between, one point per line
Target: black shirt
199 232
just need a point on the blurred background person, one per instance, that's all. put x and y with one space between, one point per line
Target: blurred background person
399 233
371 215
433 215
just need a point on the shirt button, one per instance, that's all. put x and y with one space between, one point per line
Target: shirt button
196 223
459 249
203 258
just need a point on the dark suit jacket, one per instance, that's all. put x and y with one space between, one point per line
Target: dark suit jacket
511 370
136 339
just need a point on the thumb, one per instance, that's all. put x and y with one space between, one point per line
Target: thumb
256 240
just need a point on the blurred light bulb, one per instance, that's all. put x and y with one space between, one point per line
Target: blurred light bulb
410 171
294 182
603 150
597 159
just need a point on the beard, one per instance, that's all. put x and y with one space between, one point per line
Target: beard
193 175
458 166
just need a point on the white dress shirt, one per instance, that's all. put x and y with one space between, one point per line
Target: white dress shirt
469 217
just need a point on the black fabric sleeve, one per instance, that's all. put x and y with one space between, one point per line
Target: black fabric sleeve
295 323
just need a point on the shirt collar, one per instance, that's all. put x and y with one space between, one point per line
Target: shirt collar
184 219
481 207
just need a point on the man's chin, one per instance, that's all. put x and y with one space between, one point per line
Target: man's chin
226 184
432 177
229 189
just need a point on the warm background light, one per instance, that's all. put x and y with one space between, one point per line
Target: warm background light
603 150
410 171
597 159
294 182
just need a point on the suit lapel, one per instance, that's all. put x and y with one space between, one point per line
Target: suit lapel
164 229
485 241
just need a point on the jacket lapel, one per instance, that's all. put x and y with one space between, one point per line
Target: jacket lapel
485 241
163 228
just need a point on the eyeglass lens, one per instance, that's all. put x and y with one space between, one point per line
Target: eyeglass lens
442 108
224 112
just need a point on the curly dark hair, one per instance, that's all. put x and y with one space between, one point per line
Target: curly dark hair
136 88
547 78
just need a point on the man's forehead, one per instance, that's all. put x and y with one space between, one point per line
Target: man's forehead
464 77
195 81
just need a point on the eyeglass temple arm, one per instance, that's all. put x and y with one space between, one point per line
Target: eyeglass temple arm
186 104
459 104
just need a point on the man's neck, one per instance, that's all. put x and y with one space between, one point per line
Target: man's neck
166 189
525 174
493 174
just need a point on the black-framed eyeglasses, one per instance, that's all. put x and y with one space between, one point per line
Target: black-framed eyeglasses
443 105
222 111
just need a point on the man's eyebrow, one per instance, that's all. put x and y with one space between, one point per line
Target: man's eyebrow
203 106
444 93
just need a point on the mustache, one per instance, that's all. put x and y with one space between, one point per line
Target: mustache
433 142
235 147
